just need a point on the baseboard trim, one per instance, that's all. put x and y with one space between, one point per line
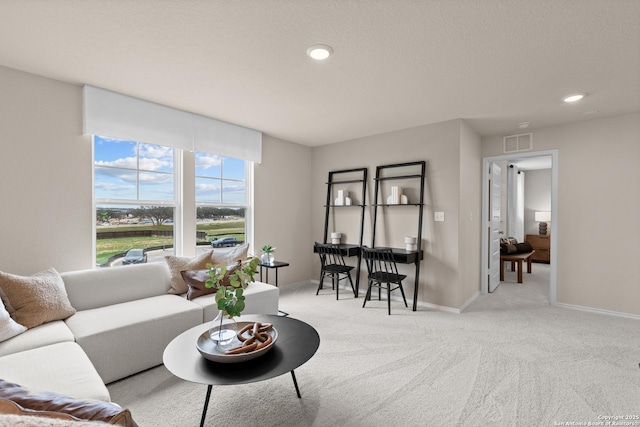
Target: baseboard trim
420 304
598 311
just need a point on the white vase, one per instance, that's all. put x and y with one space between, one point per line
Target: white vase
223 330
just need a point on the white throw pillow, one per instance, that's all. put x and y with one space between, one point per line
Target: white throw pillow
9 328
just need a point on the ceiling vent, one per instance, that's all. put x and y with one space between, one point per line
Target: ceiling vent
517 143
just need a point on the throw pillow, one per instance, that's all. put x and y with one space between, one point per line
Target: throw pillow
197 279
8 327
34 300
222 257
178 264
56 405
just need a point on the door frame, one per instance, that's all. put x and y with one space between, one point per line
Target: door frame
486 161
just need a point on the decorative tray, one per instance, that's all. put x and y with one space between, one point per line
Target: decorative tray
210 351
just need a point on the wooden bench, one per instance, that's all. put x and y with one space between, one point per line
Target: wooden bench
519 258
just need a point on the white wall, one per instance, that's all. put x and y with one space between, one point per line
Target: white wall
598 228
45 178
283 209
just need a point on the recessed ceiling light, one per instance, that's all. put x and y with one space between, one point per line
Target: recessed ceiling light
319 52
524 125
573 98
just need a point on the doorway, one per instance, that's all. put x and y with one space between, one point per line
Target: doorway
489 223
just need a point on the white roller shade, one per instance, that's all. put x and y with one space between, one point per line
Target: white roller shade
121 116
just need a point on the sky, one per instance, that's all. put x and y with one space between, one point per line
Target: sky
117 177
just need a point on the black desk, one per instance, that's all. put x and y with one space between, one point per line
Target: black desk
297 342
275 265
404 256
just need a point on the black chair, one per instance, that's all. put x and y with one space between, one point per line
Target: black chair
382 272
332 264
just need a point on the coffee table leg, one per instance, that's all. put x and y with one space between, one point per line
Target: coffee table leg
206 405
295 383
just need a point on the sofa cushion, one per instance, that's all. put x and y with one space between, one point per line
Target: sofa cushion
94 288
40 336
127 338
14 415
225 256
197 280
177 264
63 368
34 300
9 328
49 403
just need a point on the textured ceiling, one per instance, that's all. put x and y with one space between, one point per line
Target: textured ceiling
397 63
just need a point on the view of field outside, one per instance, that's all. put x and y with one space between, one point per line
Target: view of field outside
121 229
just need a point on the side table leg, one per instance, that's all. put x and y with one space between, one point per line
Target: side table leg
295 383
206 405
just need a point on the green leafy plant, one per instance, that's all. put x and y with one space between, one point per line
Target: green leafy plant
230 299
268 248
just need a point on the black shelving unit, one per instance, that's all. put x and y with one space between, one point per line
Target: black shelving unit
343 178
387 173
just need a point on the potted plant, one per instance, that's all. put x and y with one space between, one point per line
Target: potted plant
229 296
267 254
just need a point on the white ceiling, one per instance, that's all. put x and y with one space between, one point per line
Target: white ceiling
397 63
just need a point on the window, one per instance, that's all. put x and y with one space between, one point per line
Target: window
135 193
221 197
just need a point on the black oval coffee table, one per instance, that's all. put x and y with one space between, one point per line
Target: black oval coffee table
297 342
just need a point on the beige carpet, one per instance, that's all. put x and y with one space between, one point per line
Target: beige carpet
509 360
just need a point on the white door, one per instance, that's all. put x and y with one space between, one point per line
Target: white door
493 227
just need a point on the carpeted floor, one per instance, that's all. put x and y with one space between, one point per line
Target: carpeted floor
510 359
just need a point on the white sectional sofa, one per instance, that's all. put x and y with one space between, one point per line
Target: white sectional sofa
125 318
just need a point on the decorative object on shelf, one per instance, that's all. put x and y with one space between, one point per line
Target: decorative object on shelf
343 198
230 285
335 238
410 243
268 256
396 197
542 217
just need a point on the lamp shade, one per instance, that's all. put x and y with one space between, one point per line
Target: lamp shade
543 216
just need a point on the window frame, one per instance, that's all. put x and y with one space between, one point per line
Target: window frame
184 198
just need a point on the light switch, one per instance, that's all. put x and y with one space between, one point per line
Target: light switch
438 216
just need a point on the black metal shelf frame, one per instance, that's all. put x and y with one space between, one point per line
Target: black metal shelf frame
348 249
416 256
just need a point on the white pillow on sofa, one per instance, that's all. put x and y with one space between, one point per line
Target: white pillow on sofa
9 328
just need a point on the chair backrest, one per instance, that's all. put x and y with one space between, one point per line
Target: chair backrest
329 254
379 260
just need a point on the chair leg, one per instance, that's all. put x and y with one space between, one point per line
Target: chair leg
389 298
352 287
402 292
368 294
321 282
337 284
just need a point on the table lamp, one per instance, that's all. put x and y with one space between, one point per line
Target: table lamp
542 217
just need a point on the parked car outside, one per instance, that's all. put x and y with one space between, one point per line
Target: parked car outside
134 256
224 242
